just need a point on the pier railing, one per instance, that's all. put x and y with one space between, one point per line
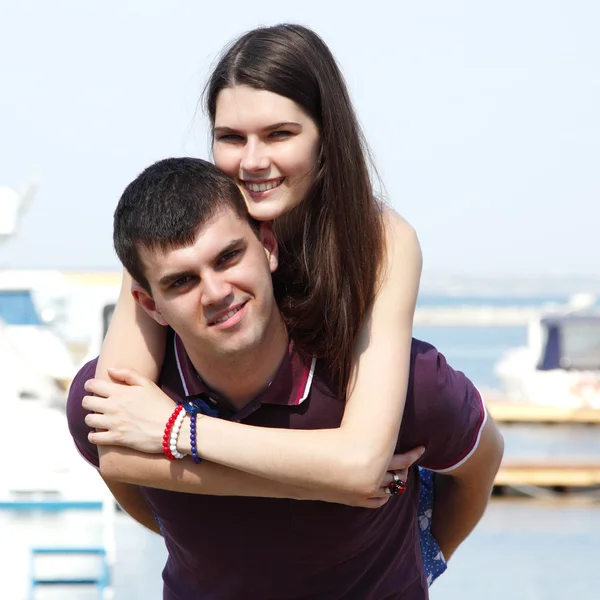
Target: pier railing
475 315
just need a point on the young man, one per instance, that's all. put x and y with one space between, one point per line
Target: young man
204 268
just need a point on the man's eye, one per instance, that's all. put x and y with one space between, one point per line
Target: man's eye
229 257
181 281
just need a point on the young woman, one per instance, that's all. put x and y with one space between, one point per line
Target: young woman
285 130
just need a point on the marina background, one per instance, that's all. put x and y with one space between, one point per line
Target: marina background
484 124
524 548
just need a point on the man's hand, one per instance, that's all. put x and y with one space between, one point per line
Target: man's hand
130 411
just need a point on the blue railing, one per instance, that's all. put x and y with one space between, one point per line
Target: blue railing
101 580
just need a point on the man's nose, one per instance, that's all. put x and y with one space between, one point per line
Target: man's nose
215 290
255 157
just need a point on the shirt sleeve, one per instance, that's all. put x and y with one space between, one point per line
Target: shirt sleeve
76 414
448 409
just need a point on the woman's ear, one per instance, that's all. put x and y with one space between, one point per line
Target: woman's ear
269 241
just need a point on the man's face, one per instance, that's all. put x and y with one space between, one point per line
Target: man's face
217 294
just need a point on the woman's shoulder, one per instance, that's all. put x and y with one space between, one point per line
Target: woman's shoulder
403 263
396 223
402 240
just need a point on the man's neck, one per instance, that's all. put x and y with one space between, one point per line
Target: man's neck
241 378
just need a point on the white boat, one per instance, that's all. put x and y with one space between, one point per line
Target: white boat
34 360
46 467
560 366
35 368
41 471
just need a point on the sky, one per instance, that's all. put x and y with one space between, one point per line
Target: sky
482 117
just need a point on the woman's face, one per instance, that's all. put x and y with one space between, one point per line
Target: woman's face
270 147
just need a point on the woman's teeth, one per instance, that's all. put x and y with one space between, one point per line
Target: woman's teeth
263 187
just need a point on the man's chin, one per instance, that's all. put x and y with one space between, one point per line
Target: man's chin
238 345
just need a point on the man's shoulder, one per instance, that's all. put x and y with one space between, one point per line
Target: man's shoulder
421 350
76 413
430 373
169 381
444 410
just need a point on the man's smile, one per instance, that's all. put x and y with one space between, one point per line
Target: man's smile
228 317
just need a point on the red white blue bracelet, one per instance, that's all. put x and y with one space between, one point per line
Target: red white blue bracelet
171 434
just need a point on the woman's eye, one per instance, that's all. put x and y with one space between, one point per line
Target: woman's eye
280 134
230 137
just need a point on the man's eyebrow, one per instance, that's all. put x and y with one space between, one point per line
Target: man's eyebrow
280 125
233 245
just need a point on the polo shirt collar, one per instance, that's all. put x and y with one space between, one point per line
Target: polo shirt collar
290 386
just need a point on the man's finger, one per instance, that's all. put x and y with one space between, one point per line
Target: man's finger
403 461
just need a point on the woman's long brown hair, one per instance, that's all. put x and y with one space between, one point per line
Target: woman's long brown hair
332 243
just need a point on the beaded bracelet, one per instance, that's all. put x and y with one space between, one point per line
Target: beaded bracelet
175 434
193 407
171 432
195 456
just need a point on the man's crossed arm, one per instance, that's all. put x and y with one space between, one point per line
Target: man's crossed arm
462 494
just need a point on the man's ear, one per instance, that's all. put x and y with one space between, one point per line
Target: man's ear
269 241
146 301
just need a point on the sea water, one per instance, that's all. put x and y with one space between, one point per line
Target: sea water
474 350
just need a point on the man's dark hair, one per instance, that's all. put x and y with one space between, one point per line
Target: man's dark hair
163 208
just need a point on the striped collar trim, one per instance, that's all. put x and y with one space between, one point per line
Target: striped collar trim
291 385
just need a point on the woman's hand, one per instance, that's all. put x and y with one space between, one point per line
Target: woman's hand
130 411
399 465
398 469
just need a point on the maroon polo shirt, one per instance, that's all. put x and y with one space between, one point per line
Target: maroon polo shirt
228 548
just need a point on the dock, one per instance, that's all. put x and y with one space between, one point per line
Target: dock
559 474
560 469
504 411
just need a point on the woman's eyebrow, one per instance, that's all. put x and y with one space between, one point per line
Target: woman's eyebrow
225 129
280 125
